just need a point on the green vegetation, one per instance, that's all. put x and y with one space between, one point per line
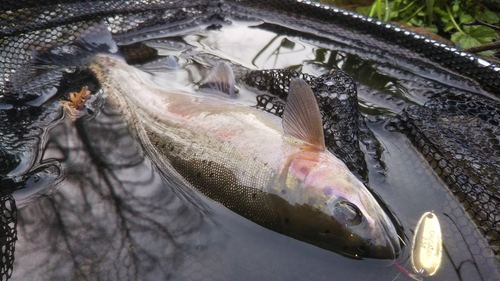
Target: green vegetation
457 20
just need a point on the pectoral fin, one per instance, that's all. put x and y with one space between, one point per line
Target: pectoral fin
220 79
301 118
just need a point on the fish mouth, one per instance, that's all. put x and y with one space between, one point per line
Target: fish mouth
365 242
388 250
384 244
381 250
380 241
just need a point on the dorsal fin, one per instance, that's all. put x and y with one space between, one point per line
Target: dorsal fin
220 79
301 118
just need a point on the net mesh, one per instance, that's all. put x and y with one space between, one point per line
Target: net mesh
459 136
8 235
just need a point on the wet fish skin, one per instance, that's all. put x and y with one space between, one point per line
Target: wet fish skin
241 157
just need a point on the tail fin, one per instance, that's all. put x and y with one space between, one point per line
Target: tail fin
37 81
93 39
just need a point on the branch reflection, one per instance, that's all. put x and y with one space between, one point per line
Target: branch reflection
114 217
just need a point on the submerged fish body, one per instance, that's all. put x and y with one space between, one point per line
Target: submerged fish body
282 178
275 172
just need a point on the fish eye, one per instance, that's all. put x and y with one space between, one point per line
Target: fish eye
347 213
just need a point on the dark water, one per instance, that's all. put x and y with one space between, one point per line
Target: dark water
114 216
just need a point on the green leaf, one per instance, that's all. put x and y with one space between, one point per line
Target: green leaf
449 15
487 53
393 14
416 22
489 17
449 26
474 36
467 41
456 36
466 18
440 12
364 10
481 33
433 28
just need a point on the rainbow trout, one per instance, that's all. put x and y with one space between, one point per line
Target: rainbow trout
275 172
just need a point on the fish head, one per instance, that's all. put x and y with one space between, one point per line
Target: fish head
342 214
325 203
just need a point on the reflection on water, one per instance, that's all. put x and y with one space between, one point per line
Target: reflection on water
115 217
112 217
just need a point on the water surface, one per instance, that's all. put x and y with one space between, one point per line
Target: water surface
114 216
